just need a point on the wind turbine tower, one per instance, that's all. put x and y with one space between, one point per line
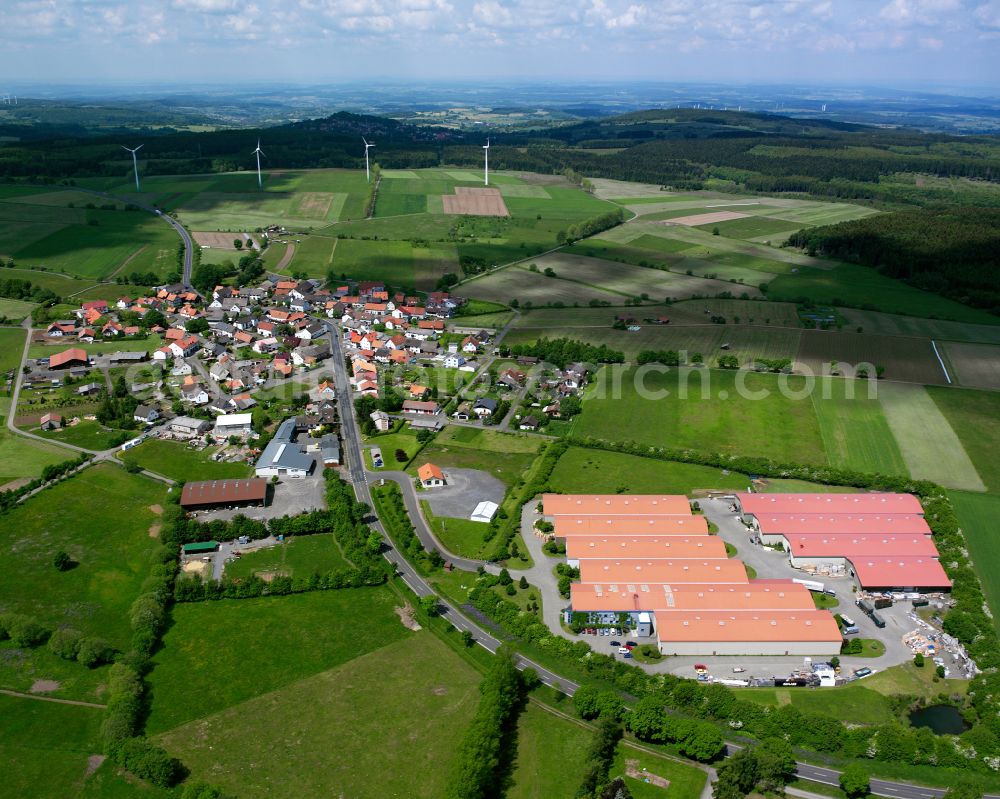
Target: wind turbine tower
486 169
368 173
259 152
135 163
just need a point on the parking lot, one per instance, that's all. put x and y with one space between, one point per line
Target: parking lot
291 496
465 489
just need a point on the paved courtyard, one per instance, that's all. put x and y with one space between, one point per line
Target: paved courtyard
466 488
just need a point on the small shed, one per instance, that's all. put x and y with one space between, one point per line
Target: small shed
484 512
200 548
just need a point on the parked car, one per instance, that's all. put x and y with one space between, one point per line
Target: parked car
627 654
630 644
615 643
623 650
862 672
738 669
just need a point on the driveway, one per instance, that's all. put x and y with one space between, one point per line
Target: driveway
465 489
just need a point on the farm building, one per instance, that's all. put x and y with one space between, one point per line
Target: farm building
430 476
282 456
484 512
51 421
67 358
420 407
200 548
204 494
233 424
648 562
188 426
882 540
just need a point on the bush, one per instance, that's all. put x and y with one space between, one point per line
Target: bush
65 642
94 651
22 630
62 561
147 761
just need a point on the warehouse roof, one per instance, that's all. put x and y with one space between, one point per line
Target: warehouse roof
748 625
67 356
663 570
571 525
755 595
220 492
900 572
615 505
829 503
234 420
819 546
672 546
853 523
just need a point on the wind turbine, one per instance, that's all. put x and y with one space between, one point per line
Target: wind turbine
368 173
486 170
135 163
259 152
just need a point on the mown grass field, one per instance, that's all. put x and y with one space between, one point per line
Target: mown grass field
974 416
11 345
85 433
712 417
148 344
388 443
461 536
550 756
854 430
101 518
45 749
978 514
929 445
591 471
15 310
297 556
217 655
384 723
177 461
23 458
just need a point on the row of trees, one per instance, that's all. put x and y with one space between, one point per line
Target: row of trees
563 351
479 755
591 227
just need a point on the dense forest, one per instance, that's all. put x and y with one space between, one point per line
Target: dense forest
954 252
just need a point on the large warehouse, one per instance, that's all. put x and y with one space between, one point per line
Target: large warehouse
882 540
649 560
206 494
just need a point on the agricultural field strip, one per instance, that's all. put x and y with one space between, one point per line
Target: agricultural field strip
973 365
928 443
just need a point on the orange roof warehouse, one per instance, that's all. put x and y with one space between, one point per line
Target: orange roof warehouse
882 540
650 560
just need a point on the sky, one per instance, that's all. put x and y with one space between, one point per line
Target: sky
885 42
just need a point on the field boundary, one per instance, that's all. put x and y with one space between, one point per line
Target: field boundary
57 700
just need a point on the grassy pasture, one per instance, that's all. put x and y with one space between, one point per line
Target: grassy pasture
686 782
550 758
713 416
101 518
147 344
297 556
217 655
45 749
977 513
11 345
333 718
929 445
391 261
908 359
854 430
175 460
464 537
85 433
533 287
753 227
16 310
974 416
24 458
60 284
582 470
850 284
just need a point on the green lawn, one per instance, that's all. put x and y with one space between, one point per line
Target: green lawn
593 471
45 749
23 458
978 514
385 723
975 418
177 461
299 555
15 310
11 346
853 703
550 756
854 430
709 410
388 443
21 668
147 344
85 433
460 536
220 654
686 782
101 518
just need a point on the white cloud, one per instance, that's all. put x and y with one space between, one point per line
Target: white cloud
988 15
206 6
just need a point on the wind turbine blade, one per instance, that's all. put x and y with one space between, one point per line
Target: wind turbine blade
125 148
365 141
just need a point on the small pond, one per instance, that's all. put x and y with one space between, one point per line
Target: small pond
940 719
